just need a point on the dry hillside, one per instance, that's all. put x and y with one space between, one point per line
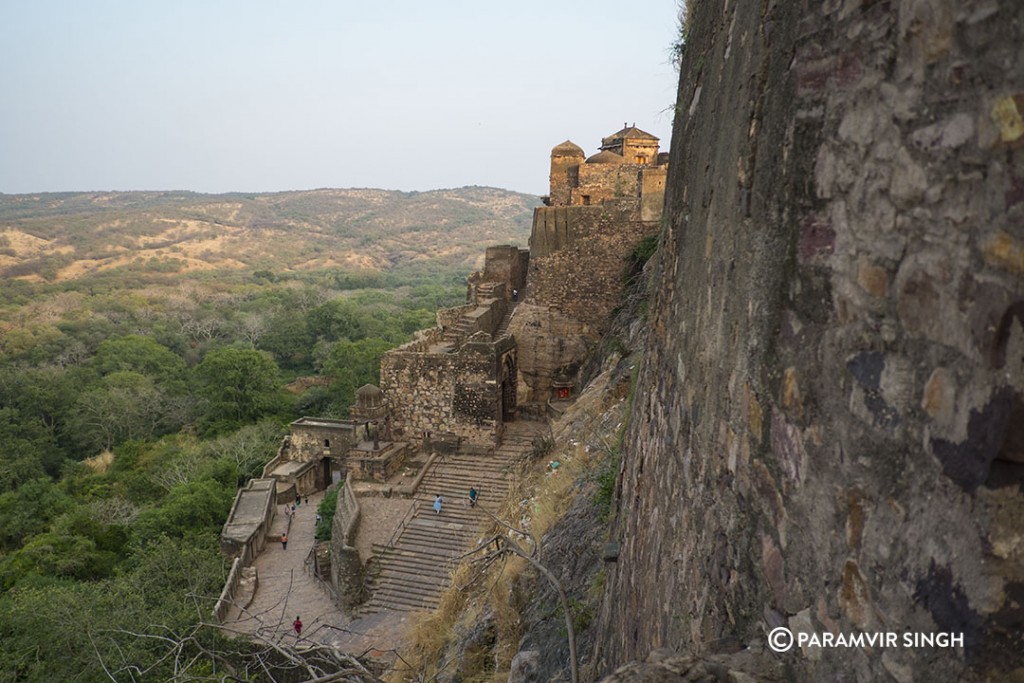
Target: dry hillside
65 236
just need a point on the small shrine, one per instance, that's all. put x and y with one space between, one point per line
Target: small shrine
375 456
371 410
562 386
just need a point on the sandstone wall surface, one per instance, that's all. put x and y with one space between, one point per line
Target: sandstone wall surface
827 427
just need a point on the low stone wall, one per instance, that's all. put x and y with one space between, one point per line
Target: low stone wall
282 454
379 465
446 317
423 341
297 479
227 595
244 533
346 567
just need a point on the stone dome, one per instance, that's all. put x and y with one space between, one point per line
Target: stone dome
568 149
369 396
606 157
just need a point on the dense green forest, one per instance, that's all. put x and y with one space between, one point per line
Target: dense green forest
136 396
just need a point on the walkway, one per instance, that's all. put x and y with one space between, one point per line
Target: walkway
286 587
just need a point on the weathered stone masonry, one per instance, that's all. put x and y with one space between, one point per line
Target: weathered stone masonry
598 210
454 392
827 430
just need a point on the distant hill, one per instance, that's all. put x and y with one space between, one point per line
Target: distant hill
67 236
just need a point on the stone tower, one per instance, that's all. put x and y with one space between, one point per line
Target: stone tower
565 163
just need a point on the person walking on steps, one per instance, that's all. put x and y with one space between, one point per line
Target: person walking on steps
284 541
297 624
437 504
472 497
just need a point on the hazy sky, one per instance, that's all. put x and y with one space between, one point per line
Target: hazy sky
248 95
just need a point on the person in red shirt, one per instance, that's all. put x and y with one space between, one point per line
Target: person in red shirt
298 626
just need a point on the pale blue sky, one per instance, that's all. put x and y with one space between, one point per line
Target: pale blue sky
254 95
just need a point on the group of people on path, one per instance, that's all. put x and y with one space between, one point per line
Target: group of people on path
290 510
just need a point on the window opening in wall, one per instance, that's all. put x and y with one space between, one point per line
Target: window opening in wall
586 200
641 159
327 443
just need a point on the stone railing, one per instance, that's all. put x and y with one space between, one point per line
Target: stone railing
423 341
349 505
346 567
410 490
277 459
227 595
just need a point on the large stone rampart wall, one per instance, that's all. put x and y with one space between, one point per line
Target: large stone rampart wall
578 255
827 426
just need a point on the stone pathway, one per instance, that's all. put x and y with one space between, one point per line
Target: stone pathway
286 585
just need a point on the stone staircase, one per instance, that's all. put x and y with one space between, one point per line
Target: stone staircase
503 325
454 335
414 570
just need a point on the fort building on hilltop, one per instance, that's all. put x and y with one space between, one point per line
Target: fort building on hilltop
532 315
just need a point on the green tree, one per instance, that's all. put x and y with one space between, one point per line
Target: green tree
200 505
29 449
351 365
336 319
241 385
141 355
288 338
29 509
125 405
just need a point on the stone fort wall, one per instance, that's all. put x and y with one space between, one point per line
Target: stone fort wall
579 255
827 427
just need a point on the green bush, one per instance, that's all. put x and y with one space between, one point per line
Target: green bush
326 511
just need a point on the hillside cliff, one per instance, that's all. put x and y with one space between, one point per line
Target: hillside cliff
828 423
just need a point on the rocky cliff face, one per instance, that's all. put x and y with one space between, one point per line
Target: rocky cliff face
828 430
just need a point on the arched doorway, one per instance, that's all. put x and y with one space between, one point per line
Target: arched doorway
509 377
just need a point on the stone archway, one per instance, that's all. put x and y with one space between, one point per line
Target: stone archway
509 379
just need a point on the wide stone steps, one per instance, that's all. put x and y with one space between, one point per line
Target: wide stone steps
412 573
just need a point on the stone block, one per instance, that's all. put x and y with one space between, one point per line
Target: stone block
1006 113
939 397
1003 251
872 279
525 667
